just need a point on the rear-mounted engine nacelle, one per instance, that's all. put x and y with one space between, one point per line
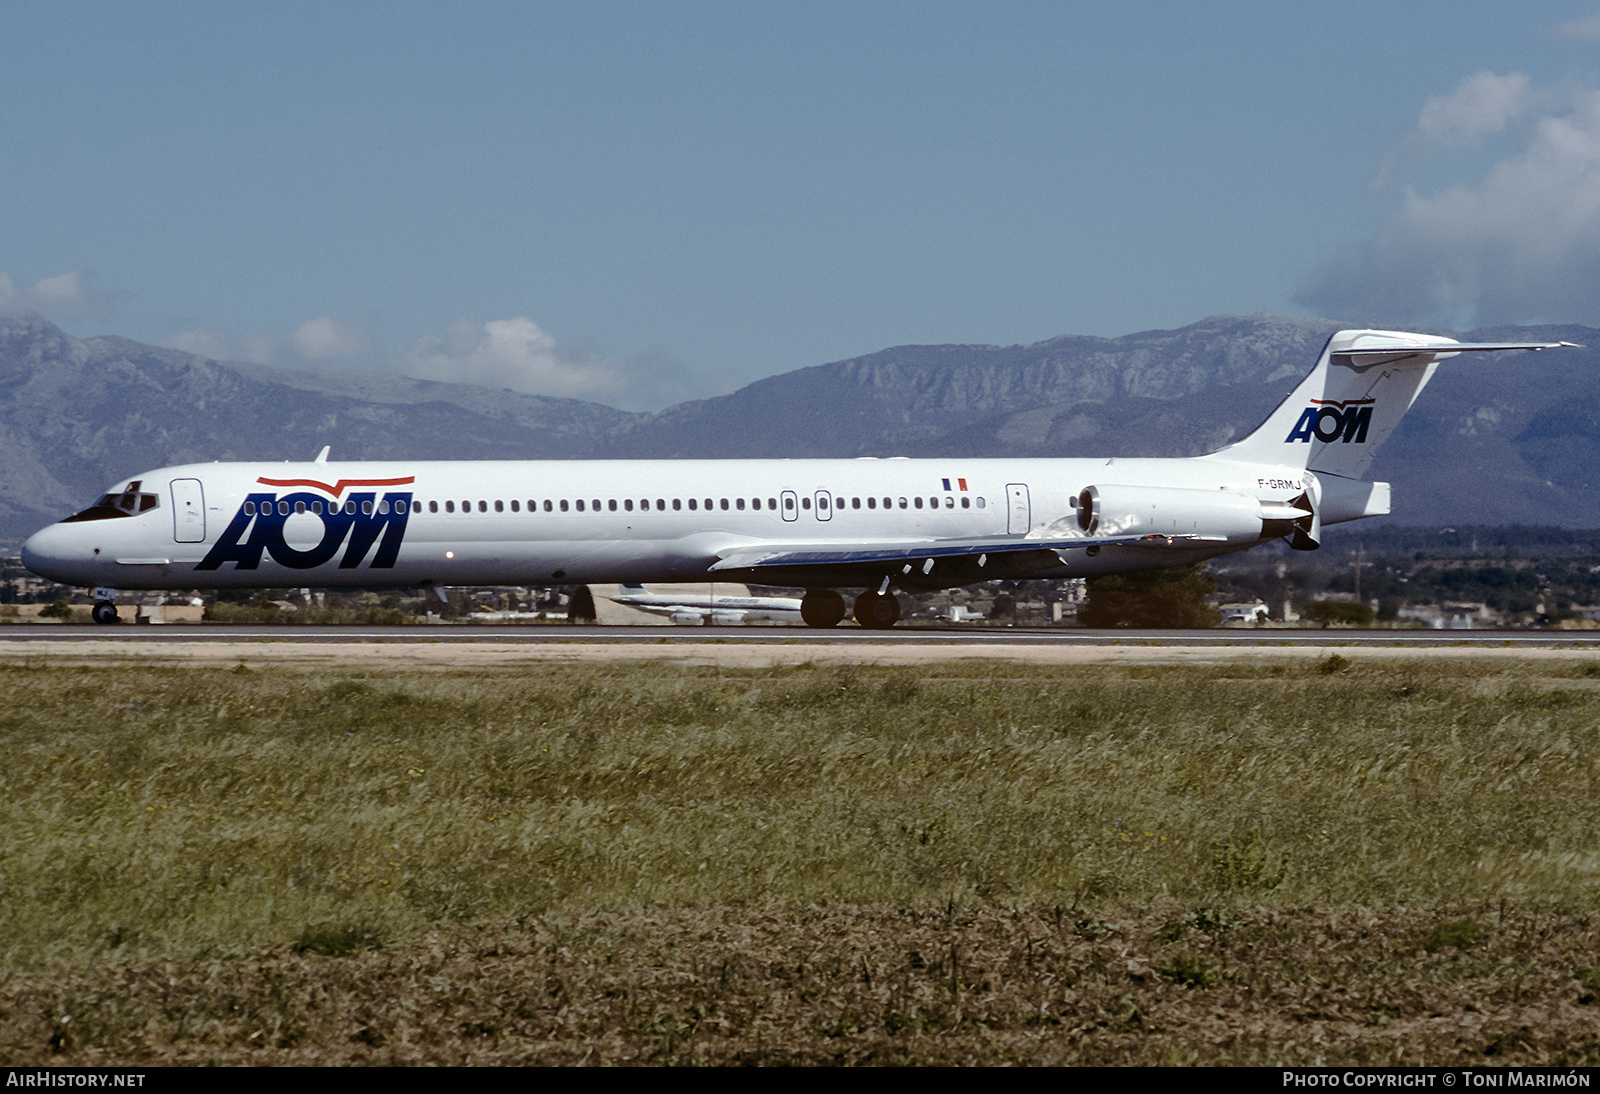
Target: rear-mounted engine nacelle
1168 511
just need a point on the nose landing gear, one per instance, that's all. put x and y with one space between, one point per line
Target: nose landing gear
105 606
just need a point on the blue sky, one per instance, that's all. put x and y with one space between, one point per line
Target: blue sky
640 203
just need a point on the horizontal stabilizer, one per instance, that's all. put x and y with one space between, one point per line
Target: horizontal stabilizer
1392 347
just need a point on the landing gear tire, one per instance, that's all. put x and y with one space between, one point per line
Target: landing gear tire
104 612
877 611
821 608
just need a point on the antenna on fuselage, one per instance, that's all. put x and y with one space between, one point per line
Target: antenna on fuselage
322 457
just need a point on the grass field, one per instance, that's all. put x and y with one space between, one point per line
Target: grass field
980 862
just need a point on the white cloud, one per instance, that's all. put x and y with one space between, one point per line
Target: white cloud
65 296
1483 104
520 355
1519 244
1586 29
328 339
511 353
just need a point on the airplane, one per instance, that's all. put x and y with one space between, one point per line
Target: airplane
711 608
872 524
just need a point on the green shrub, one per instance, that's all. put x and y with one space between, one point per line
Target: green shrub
1338 613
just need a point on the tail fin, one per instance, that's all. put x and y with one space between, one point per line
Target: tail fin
1362 385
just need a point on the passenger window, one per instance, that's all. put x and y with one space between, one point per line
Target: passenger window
349 508
383 508
693 503
612 505
400 506
949 501
483 506
872 503
724 502
805 503
855 503
788 503
533 506
902 503
738 503
676 504
627 504
917 502
708 503
579 503
283 508
966 503
449 507
980 503
499 506
661 504
564 505
433 507
547 506
516 506
366 508
249 508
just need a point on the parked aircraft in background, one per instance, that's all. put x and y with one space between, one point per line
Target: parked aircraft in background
710 607
869 524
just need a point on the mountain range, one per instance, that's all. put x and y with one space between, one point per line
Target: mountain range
1496 439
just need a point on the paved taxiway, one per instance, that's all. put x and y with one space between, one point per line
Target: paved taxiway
485 646
848 636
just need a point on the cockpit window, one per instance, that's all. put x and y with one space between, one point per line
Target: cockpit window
127 503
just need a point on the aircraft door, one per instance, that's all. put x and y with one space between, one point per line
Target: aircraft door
188 511
791 505
1019 514
824 506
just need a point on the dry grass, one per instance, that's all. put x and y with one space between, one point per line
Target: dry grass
1271 986
976 863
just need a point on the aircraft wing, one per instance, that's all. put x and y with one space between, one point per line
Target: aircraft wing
934 563
660 609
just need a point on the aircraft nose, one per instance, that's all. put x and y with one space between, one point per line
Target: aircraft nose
53 553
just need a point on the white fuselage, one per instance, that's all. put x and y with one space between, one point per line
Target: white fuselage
409 523
683 607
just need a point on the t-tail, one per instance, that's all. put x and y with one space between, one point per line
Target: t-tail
1334 422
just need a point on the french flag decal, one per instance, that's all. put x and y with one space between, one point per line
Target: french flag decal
961 484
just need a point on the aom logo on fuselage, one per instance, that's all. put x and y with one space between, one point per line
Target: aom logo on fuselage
355 523
1328 420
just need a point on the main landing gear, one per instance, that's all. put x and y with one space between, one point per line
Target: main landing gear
105 606
877 611
873 610
821 608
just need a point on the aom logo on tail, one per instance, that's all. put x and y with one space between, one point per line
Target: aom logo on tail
1329 420
355 524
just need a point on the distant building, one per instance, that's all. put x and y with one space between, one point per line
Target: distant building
1250 614
1452 615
